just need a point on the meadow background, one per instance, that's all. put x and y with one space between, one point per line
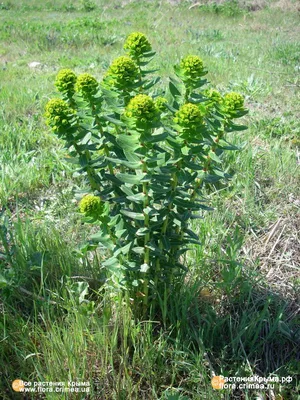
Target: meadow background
238 314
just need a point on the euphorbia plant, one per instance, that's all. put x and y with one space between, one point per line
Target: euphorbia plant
145 159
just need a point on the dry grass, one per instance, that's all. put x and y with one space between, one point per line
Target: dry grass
250 5
286 5
278 252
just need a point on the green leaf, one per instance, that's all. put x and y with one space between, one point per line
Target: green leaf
214 157
128 178
175 91
151 83
142 232
131 165
129 143
111 262
130 155
192 234
165 243
219 172
149 54
127 190
223 144
123 250
71 160
193 166
197 98
105 240
156 138
3 282
161 178
149 71
137 198
138 250
120 232
83 288
133 215
145 268
234 127
159 189
178 71
113 120
210 178
187 204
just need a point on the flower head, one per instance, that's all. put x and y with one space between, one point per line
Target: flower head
233 102
142 108
91 206
137 44
189 116
192 67
213 95
87 85
65 81
160 103
58 114
122 71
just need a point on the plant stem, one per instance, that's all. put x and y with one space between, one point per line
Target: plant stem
90 171
147 238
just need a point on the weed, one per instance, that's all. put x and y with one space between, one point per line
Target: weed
287 53
235 313
5 5
89 5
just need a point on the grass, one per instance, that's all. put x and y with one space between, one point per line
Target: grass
57 324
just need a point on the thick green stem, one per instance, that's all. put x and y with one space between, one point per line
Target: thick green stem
90 172
206 166
147 250
187 94
106 149
165 227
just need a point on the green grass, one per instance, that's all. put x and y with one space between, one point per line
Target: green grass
52 327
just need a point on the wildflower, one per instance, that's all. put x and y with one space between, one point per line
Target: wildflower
122 71
213 95
192 67
58 114
233 102
189 116
87 85
91 206
137 44
65 81
142 108
160 103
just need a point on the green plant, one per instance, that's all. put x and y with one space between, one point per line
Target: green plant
229 8
146 161
88 5
5 5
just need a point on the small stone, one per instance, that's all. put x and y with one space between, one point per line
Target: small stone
34 64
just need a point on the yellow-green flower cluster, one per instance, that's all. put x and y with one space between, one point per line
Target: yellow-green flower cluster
58 115
160 103
87 85
192 67
214 96
123 71
142 108
65 81
189 116
233 102
91 206
137 44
